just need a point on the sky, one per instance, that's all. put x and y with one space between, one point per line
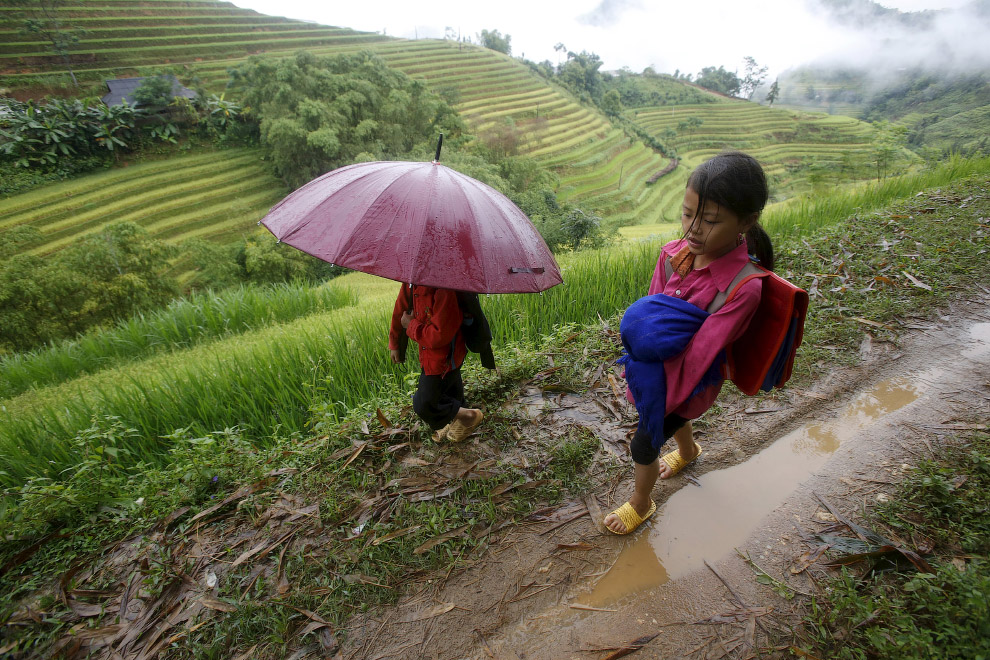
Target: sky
662 34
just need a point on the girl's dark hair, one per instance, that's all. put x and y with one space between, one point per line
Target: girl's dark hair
735 181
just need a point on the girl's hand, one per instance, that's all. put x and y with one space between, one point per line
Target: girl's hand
406 318
394 352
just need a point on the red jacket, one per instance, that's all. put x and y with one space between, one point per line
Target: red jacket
435 327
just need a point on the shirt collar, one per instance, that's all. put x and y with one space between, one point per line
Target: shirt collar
723 269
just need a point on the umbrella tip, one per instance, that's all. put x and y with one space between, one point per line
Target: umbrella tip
436 159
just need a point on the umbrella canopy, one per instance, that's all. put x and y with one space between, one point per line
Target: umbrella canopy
415 222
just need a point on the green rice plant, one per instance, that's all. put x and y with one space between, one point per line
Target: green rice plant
596 283
202 317
268 380
806 214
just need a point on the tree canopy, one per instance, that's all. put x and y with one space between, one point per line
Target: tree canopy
106 276
319 113
753 77
719 80
495 40
580 74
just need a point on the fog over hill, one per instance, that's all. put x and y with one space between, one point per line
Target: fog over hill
884 41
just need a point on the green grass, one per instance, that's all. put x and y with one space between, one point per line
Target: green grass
800 215
315 455
908 614
221 194
789 145
264 380
200 318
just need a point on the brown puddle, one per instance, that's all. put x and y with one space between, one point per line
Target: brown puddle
708 522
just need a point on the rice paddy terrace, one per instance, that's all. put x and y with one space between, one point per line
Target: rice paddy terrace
215 196
785 141
130 33
220 196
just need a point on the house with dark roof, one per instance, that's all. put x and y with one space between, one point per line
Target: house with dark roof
122 89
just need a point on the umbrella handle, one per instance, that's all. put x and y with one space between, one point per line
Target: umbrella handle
436 159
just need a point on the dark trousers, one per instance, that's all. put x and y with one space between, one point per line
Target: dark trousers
437 398
641 446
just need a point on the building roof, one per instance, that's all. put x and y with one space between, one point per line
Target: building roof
122 89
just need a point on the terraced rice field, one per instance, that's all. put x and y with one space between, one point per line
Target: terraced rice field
601 169
216 196
129 33
780 139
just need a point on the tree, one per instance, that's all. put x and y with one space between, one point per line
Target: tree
154 92
44 18
319 113
719 80
580 75
104 277
886 146
753 77
773 93
669 136
611 103
495 41
689 125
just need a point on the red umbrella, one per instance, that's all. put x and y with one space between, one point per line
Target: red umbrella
415 222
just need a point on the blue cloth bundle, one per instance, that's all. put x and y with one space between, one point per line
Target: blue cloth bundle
653 329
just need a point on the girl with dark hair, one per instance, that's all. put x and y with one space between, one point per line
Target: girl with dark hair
675 338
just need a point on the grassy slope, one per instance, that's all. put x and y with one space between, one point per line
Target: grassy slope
949 112
343 470
600 168
166 391
780 139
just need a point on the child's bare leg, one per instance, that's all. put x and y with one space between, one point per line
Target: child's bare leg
684 437
646 479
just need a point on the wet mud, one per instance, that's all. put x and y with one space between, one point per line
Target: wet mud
574 591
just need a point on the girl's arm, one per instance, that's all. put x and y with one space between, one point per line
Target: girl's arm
443 325
685 370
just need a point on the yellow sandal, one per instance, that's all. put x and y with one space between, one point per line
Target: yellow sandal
458 431
676 463
627 514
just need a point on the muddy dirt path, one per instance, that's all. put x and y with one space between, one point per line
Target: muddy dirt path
561 588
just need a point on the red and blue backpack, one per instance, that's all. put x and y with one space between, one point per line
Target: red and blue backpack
763 357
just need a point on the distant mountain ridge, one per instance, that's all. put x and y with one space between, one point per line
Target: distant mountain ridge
928 70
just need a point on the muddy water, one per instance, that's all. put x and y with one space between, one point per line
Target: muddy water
980 333
708 522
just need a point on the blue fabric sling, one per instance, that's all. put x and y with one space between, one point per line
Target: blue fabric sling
653 329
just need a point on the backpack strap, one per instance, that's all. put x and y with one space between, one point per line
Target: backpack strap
745 274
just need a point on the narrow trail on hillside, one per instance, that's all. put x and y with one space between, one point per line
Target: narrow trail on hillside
775 471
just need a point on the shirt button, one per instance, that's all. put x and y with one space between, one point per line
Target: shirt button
677 293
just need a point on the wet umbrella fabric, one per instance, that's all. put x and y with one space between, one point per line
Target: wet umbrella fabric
416 222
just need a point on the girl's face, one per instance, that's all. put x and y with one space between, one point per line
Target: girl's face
712 231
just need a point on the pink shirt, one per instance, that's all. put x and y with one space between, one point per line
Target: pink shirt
699 288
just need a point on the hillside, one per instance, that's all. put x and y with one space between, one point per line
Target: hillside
602 168
264 538
116 37
923 70
794 147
